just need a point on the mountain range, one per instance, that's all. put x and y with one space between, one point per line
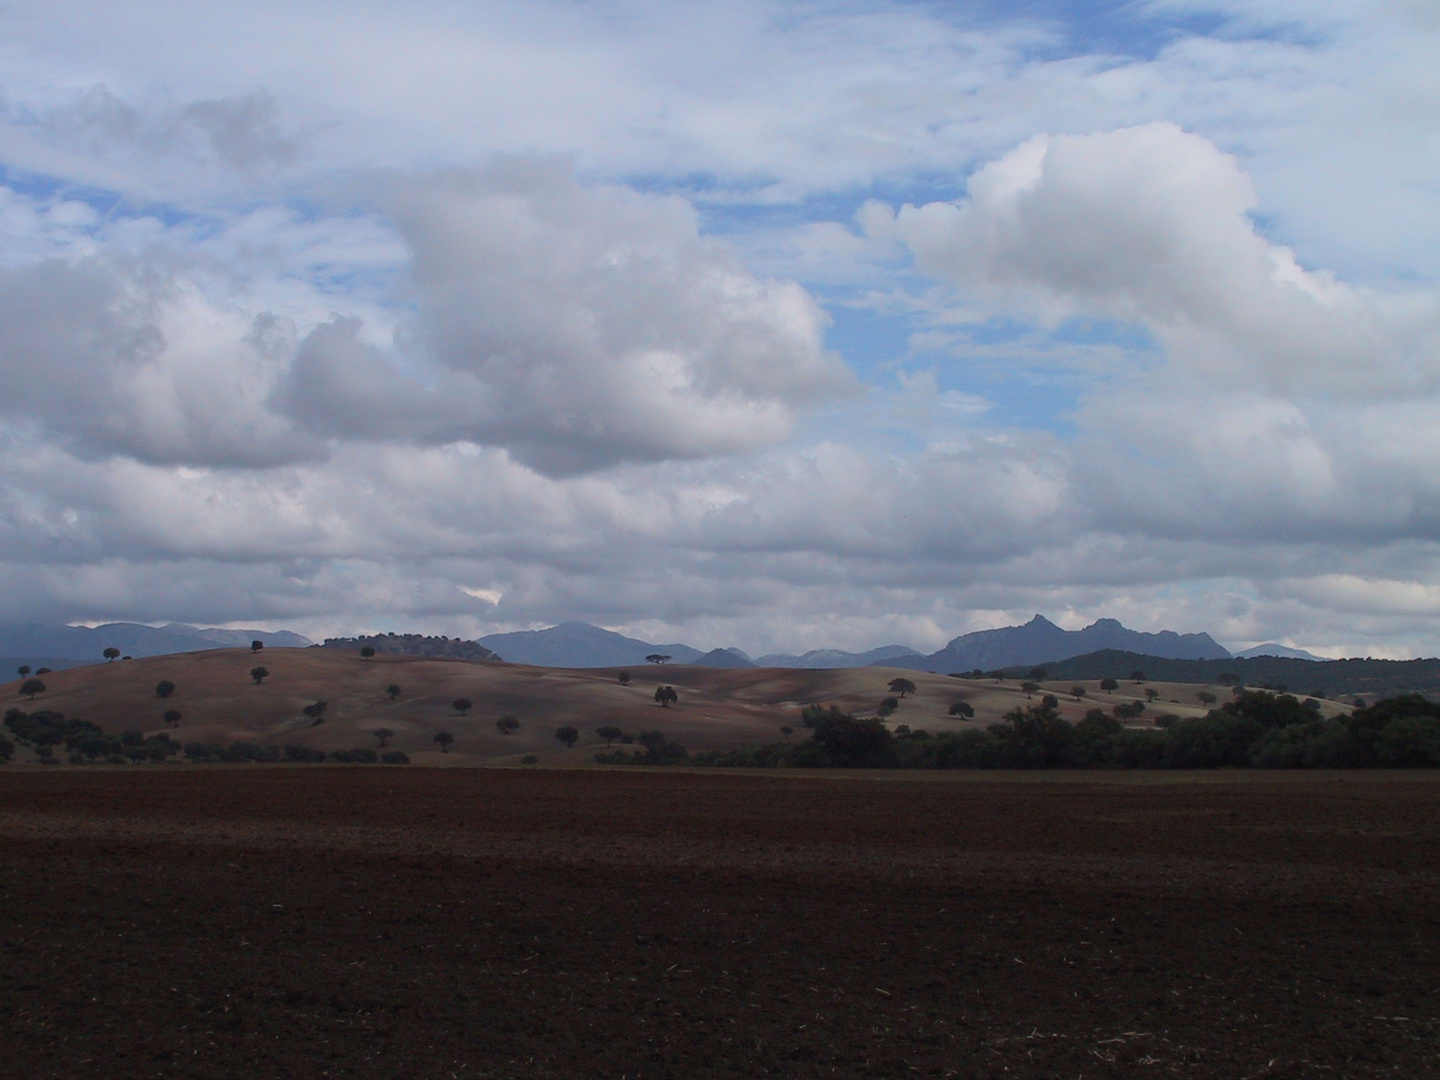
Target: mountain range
1040 641
580 645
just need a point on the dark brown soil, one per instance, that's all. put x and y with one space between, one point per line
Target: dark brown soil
290 922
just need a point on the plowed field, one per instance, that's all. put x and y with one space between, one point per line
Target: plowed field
368 922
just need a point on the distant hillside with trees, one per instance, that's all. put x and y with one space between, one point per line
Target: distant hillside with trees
434 648
1365 678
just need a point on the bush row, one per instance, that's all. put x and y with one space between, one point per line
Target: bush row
1257 730
87 742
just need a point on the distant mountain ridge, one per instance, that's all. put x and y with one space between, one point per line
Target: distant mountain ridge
1271 649
837 658
1040 641
38 644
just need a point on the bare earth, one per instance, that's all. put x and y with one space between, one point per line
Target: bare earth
303 922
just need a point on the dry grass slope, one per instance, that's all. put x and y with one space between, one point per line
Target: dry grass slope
717 709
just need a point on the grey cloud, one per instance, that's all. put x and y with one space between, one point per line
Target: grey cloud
241 131
118 358
578 327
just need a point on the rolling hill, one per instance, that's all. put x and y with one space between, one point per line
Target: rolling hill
718 708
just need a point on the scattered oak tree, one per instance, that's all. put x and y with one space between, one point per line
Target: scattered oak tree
462 705
609 732
164 688
394 691
111 654
507 725
446 740
963 708
23 670
1077 692
624 678
259 674
567 735
256 646
31 687
656 658
367 651
172 717
665 695
1109 685
902 687
384 734
316 712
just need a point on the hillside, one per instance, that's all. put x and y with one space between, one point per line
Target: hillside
718 708
1369 679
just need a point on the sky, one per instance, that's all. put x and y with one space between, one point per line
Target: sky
771 325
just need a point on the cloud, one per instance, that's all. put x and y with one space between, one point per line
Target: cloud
577 327
1151 224
118 358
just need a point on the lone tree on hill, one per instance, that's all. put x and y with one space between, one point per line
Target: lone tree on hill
462 705
568 735
1109 685
164 688
1077 692
394 691
963 708
31 687
367 651
258 674
1151 693
256 646
445 739
384 734
23 670
624 678
111 654
665 695
507 725
609 732
656 658
172 717
902 687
